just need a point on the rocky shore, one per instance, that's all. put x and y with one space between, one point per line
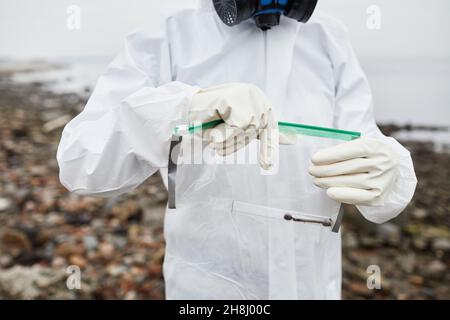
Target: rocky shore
118 243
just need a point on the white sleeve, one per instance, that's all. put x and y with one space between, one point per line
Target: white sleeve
123 135
354 111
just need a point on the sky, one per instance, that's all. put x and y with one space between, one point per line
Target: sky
409 28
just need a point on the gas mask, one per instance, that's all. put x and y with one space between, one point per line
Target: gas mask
266 13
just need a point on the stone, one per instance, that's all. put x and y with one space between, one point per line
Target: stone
441 244
154 270
13 240
106 250
116 270
31 283
77 219
139 258
5 204
370 241
420 243
59 262
436 268
360 289
389 232
349 240
5 261
78 260
416 280
56 123
54 218
66 250
90 242
419 213
407 262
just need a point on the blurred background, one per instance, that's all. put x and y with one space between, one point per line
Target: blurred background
48 67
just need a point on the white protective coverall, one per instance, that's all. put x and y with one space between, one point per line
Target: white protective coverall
228 239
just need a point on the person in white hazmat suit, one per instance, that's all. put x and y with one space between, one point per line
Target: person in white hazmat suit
237 233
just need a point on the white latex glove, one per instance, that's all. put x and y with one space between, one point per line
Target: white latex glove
247 114
358 172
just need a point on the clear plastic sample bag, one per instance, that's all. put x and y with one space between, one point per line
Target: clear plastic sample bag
287 195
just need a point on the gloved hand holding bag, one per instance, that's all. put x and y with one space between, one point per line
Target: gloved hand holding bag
358 172
247 114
